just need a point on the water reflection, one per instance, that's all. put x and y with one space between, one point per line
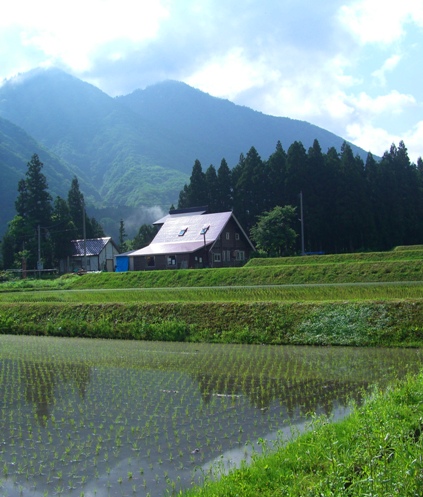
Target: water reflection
132 418
40 378
309 395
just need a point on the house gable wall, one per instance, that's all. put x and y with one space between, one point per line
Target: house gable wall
232 248
105 260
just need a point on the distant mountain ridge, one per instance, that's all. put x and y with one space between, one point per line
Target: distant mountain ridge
134 150
221 128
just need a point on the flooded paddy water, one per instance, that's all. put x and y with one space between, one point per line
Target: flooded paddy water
121 418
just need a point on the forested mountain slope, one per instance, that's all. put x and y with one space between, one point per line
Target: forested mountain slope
135 150
125 157
217 128
16 149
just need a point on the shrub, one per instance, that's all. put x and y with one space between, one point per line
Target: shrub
341 325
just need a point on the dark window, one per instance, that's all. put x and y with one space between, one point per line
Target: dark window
151 261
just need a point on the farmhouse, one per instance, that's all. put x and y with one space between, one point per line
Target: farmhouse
191 240
99 254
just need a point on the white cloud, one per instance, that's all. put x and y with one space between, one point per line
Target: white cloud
71 32
316 90
229 75
389 65
377 140
380 21
322 62
393 103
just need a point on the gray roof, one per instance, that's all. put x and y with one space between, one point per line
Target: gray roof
93 246
169 241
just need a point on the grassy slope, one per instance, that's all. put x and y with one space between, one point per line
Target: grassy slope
258 275
390 315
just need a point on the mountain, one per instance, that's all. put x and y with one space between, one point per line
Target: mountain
134 151
16 149
215 128
124 156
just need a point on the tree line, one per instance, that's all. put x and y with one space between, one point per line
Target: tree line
42 229
348 204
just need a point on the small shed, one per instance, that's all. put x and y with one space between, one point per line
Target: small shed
193 241
99 254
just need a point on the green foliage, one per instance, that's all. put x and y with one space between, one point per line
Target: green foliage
356 324
388 324
274 233
348 205
144 237
40 232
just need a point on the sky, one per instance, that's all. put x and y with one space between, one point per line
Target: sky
353 67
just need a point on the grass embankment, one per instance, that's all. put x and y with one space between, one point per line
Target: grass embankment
346 323
377 450
301 273
399 254
241 305
394 266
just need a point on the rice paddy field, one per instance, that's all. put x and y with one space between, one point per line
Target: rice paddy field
83 417
262 293
140 417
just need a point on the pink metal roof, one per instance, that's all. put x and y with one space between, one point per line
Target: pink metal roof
169 248
169 241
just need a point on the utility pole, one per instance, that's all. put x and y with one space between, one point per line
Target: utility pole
302 223
84 233
39 251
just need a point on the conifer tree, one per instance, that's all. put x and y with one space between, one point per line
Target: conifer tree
76 204
62 230
211 187
224 186
33 207
122 236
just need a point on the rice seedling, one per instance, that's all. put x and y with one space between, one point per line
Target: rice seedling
90 403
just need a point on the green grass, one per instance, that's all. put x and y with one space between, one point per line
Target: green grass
358 272
376 451
280 304
403 254
288 293
389 323
394 266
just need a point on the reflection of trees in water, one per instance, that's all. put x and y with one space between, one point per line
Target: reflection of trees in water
41 378
308 396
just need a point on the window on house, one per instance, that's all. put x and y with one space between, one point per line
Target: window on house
240 255
227 235
204 229
183 231
217 257
150 261
171 260
236 236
